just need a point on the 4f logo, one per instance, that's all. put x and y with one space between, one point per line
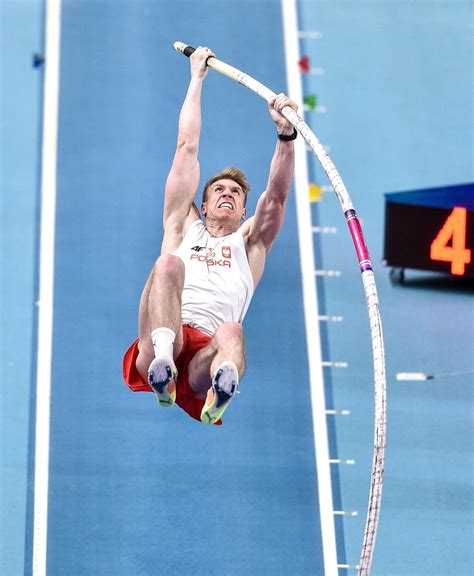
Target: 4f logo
226 253
198 248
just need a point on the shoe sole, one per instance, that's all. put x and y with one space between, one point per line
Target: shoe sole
161 377
224 387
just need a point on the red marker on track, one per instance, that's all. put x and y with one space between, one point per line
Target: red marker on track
305 64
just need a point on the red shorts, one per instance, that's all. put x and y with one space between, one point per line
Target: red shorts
193 341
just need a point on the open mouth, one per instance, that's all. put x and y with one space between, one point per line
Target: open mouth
227 205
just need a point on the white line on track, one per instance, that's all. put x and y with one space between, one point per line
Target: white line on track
290 30
46 285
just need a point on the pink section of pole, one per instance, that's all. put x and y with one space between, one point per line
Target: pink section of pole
359 242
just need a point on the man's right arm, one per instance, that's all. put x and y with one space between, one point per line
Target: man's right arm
183 179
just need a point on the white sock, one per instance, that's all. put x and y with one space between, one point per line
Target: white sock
163 340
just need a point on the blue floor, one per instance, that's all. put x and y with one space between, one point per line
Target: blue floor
137 490
21 34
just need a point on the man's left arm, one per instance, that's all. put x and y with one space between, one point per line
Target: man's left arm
262 229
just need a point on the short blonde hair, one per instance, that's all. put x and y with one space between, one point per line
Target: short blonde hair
229 173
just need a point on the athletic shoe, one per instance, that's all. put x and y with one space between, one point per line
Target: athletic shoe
222 390
162 376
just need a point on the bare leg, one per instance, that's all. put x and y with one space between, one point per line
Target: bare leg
226 345
160 306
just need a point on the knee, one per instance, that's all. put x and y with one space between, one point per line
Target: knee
169 267
230 331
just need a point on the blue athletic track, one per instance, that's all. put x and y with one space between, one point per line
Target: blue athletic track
135 490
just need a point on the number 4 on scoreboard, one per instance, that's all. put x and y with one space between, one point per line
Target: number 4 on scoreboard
454 230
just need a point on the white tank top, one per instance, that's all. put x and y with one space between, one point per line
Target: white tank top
218 284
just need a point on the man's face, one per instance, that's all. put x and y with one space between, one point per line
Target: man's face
225 201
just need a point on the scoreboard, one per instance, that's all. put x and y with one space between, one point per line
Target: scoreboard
431 229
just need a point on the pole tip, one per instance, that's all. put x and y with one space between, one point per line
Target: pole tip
179 46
